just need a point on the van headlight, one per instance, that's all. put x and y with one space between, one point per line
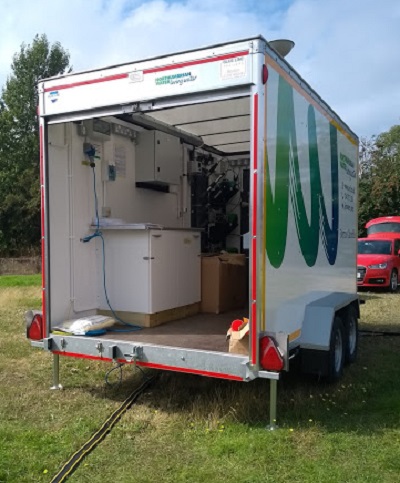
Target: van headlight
379 265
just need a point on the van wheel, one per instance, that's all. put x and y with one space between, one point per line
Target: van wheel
351 334
394 281
336 351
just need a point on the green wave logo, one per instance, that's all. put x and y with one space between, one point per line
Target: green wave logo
288 186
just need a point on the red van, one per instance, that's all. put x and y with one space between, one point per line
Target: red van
378 261
384 224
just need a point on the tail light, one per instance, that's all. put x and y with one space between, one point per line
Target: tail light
270 357
264 74
34 328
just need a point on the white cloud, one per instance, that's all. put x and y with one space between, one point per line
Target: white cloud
345 50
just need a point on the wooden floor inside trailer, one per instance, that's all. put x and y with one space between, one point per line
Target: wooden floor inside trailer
202 331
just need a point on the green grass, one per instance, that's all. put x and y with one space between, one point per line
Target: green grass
381 311
20 280
192 429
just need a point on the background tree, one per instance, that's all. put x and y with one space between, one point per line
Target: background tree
379 182
19 144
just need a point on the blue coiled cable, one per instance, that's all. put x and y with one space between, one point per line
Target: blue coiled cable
99 234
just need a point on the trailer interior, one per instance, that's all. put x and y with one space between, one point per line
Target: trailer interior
167 189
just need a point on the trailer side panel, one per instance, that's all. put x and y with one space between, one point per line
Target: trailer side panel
311 203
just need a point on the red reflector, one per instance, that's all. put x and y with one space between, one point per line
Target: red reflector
35 330
264 74
270 357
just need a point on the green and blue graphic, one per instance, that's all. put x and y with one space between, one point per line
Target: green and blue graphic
288 187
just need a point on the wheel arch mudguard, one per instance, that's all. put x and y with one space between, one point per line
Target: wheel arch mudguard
318 319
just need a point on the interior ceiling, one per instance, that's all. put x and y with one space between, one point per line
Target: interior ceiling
225 125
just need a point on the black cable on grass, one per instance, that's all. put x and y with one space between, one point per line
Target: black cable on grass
380 333
145 376
108 373
70 466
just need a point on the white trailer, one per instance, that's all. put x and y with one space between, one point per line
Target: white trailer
146 165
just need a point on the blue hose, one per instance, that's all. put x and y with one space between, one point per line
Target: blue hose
99 234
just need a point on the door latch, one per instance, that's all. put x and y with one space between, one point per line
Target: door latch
135 355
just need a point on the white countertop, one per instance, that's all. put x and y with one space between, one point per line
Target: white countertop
140 226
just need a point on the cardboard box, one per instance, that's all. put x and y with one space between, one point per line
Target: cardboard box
239 339
223 282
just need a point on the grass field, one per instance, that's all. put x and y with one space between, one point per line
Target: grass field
20 281
187 428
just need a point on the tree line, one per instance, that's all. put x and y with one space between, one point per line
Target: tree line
19 144
379 167
379 177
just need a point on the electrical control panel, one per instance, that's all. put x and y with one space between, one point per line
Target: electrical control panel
108 167
158 158
96 129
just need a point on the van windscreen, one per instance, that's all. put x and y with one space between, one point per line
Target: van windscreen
375 247
384 228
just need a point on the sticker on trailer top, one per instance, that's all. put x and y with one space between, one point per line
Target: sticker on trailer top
233 68
180 78
136 76
53 96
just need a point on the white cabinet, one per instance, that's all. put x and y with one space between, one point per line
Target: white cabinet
158 158
149 271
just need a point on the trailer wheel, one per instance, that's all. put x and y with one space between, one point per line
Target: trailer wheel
336 351
394 281
351 334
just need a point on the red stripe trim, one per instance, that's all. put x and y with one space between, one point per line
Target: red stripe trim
182 65
163 68
219 375
254 334
255 192
84 83
255 133
41 155
254 270
83 356
42 230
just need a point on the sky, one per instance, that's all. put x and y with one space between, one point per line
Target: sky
345 49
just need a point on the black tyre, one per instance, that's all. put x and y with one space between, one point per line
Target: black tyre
351 335
394 281
336 354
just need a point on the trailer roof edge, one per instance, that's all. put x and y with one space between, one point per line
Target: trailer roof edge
162 56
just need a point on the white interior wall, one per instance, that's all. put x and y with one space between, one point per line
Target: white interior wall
60 259
84 266
137 205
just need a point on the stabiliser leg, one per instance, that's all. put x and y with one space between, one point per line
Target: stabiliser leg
273 391
56 373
